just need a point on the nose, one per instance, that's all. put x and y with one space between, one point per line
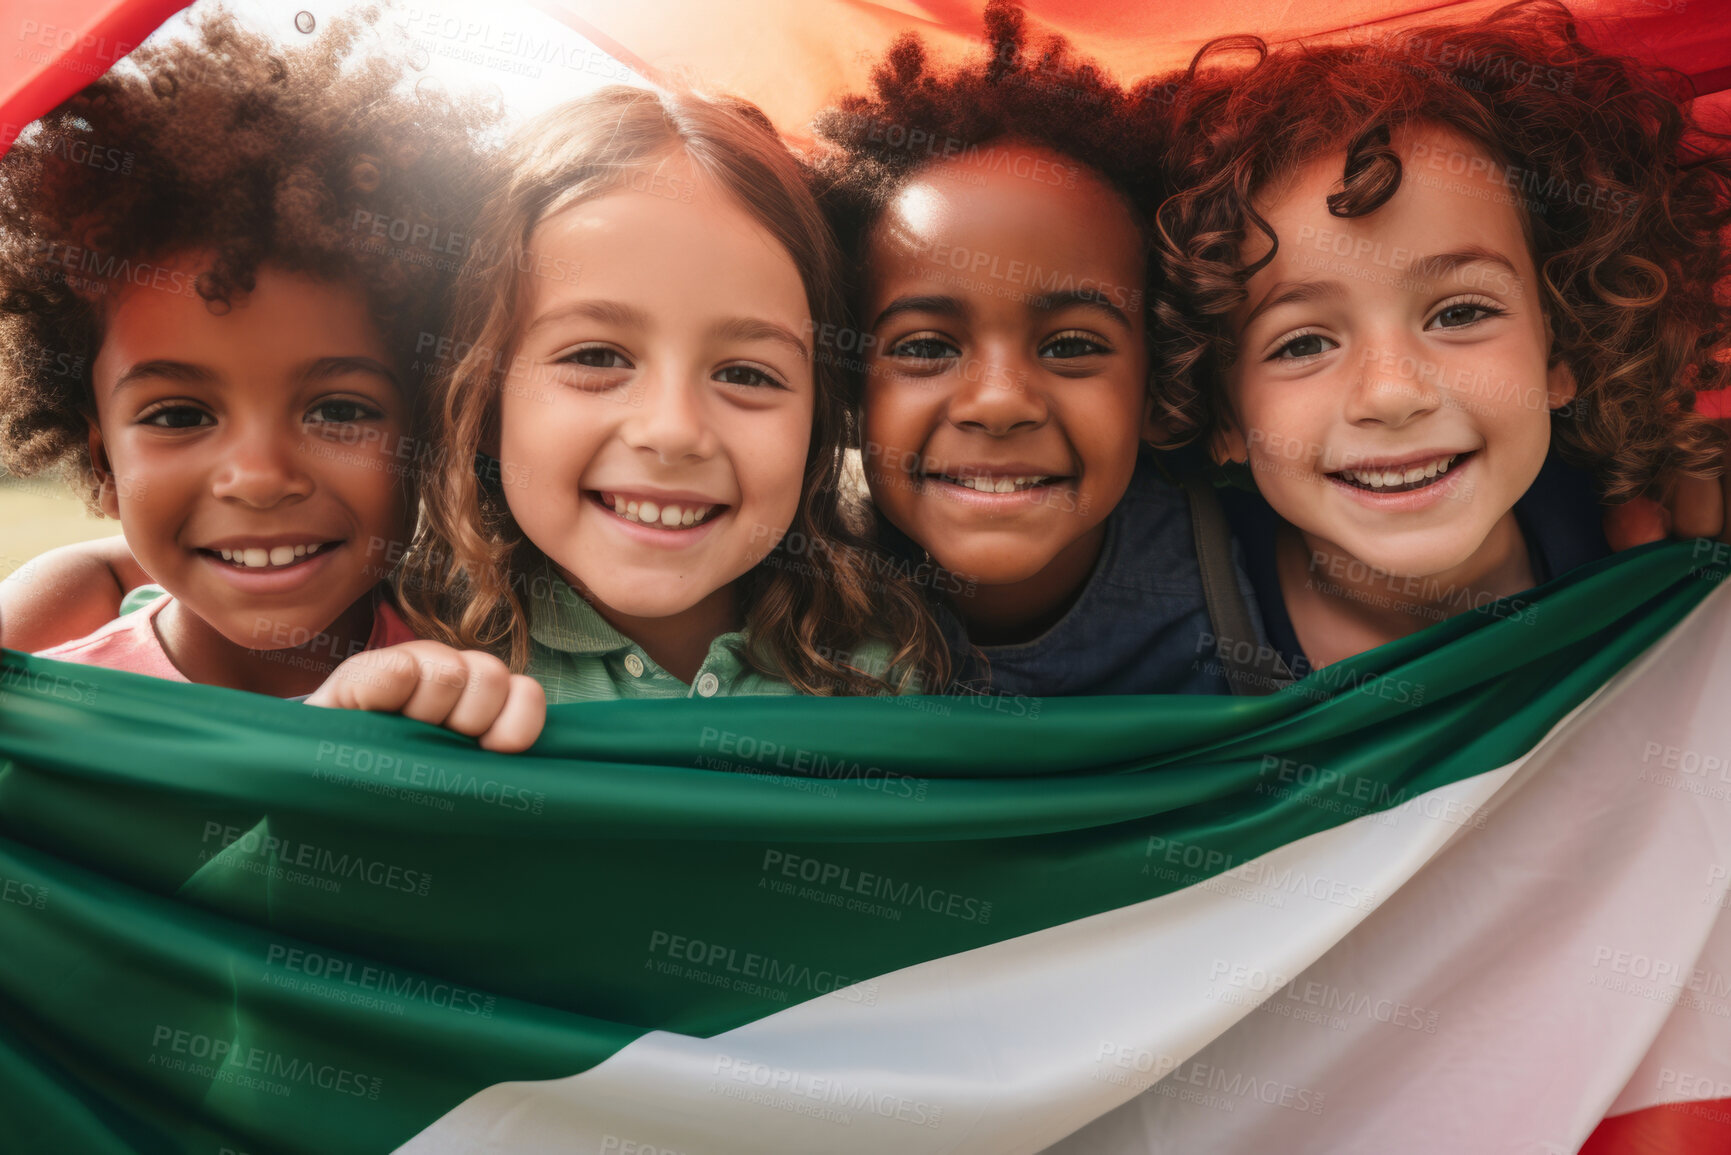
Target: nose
262 465
669 420
997 395
1395 383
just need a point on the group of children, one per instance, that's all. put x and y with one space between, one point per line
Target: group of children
1287 357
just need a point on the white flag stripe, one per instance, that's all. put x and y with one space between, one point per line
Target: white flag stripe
1013 1046
1554 947
1016 1044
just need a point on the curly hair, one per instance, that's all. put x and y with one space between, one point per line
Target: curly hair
463 579
1623 197
919 113
228 149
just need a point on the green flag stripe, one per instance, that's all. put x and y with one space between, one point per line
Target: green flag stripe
622 879
192 1023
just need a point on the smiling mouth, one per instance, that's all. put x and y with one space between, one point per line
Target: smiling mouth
668 515
277 557
1002 484
1401 478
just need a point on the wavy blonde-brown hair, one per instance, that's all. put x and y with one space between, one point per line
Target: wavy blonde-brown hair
464 579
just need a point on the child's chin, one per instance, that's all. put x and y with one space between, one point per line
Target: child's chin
1422 561
645 603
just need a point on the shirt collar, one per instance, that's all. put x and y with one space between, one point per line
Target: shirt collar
562 619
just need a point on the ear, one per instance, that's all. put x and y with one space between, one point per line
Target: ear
1154 430
1559 384
1559 377
1226 446
107 492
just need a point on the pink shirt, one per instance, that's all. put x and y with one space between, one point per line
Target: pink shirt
130 643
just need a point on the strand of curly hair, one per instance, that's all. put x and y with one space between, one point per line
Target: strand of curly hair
230 149
1625 200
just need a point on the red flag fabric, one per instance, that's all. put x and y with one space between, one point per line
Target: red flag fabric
793 56
55 47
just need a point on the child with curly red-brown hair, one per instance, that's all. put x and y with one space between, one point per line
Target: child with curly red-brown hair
1403 279
216 347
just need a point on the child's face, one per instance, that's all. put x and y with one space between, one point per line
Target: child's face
269 434
654 428
1391 389
1007 369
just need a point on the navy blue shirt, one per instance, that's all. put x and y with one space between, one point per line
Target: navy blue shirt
1559 515
1139 626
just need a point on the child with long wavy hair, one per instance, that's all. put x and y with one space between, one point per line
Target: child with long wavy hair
1411 282
634 366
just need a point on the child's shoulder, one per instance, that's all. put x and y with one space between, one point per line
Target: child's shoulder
1152 546
128 643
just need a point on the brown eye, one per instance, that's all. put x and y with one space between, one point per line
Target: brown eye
1307 345
924 347
747 375
178 417
597 357
1072 344
341 412
1458 316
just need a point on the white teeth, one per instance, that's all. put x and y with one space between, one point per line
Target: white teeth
998 484
278 555
1385 478
668 516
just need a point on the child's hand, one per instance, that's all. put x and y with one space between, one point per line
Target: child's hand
467 691
1696 507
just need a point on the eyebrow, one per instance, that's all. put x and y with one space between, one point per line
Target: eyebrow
758 329
1431 268
1442 264
607 312
1045 303
1087 298
1294 293
163 369
941 305
326 367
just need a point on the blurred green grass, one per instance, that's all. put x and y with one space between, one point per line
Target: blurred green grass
37 514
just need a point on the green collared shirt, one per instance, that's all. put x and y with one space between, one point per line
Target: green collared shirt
578 657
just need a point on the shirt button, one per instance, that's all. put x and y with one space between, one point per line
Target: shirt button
634 665
707 684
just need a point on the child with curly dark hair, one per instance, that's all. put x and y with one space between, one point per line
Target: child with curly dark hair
1404 279
217 346
991 212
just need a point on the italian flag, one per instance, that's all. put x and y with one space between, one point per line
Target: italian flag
1465 892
